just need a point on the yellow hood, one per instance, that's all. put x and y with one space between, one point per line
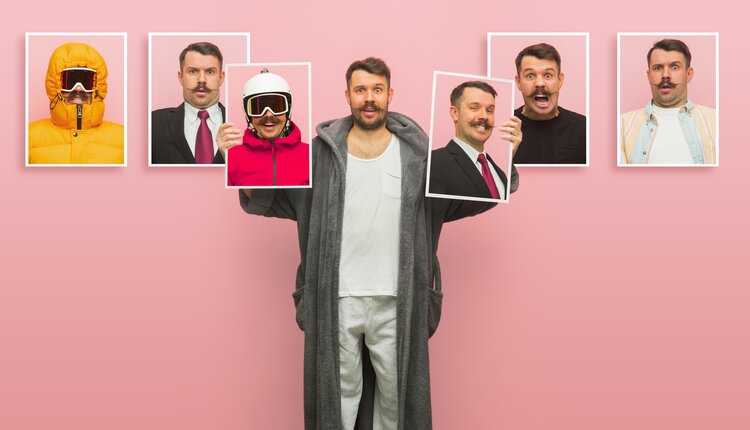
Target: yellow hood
76 55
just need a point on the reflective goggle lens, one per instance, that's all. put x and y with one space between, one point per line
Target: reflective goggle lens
257 105
69 78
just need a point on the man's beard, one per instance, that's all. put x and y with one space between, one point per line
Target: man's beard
356 115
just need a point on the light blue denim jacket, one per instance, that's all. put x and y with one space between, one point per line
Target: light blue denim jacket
648 132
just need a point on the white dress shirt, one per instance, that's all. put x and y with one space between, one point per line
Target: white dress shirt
473 154
192 122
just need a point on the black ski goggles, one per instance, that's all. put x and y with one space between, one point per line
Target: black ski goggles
73 77
258 105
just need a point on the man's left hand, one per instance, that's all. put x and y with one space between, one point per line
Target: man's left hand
510 130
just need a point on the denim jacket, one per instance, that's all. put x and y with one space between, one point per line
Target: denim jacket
698 123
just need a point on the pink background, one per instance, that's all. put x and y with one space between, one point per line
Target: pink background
444 130
40 50
165 63
572 51
600 298
295 75
634 87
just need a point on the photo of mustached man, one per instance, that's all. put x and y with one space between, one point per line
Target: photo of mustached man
670 129
464 168
186 134
551 134
268 151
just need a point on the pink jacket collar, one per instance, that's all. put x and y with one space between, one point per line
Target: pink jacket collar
293 138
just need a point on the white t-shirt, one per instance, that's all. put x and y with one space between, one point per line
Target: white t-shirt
192 122
370 236
670 146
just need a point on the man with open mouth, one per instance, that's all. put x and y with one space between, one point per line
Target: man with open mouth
186 134
270 151
551 134
671 129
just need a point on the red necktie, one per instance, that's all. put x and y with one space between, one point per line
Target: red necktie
488 177
204 143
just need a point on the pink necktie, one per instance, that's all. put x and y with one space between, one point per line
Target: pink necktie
488 177
204 143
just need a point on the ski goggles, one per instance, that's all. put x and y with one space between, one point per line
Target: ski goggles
258 105
72 77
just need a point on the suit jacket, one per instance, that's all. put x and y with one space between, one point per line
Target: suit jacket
168 144
452 172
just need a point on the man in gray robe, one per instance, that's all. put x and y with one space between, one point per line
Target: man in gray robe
328 269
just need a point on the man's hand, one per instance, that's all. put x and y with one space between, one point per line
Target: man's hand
510 130
229 136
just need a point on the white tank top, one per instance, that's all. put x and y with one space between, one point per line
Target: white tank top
370 236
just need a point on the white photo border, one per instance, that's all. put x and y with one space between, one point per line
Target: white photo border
620 162
509 174
124 36
307 64
248 39
586 36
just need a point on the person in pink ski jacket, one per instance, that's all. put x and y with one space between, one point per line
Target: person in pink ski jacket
271 152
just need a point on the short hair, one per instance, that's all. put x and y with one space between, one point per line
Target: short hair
542 51
204 48
459 90
372 65
671 45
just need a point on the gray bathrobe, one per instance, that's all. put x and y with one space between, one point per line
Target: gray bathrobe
319 214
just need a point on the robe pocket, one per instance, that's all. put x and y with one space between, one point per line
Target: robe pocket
434 309
391 183
299 305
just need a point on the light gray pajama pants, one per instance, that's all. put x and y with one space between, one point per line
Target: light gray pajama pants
372 320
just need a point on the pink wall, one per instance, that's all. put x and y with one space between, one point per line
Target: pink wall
443 129
634 88
40 50
572 49
600 298
165 62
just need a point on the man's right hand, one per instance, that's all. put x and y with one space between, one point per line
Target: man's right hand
229 135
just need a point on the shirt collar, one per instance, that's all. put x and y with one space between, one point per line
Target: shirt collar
686 108
469 150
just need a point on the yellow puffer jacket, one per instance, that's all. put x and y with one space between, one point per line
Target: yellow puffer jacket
58 139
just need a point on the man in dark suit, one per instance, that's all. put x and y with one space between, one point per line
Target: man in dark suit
186 134
463 168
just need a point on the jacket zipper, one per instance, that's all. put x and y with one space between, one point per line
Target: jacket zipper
79 116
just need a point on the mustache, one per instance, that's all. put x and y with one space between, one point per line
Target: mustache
370 105
483 122
542 92
270 119
666 83
201 87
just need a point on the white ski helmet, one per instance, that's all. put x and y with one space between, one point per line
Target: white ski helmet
266 82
